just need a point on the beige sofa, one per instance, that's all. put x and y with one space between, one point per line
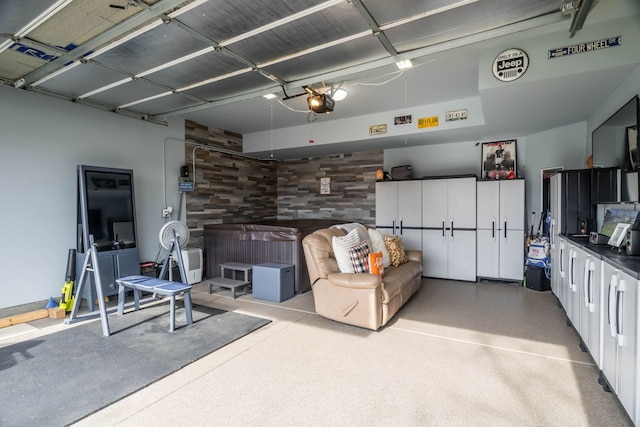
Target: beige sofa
359 299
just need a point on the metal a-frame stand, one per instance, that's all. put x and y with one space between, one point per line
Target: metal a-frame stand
90 265
174 248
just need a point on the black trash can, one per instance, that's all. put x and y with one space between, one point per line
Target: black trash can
537 279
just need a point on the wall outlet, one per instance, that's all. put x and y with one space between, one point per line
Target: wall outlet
166 213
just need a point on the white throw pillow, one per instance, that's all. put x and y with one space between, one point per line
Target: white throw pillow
377 245
341 246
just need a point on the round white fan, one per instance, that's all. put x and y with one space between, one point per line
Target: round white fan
166 234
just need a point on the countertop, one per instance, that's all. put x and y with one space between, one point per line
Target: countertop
630 264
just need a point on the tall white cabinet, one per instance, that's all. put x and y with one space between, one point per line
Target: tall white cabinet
501 229
449 228
399 210
620 353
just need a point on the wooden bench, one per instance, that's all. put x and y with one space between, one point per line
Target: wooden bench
159 287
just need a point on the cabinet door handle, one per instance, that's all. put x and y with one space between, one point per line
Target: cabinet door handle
394 226
401 221
505 229
451 228
443 228
586 284
493 229
619 314
613 284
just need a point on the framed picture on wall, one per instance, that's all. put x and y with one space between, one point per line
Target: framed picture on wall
499 160
325 185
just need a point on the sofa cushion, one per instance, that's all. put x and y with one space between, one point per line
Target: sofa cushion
359 255
341 246
376 266
377 245
396 250
396 278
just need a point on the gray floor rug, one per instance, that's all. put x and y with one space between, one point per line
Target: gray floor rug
62 377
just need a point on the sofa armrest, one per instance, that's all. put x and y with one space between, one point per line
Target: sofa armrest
355 280
415 256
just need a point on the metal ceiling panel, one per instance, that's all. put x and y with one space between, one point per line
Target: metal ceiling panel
386 12
161 105
222 20
14 64
129 92
82 79
79 22
310 31
14 15
344 55
471 19
157 46
196 70
247 82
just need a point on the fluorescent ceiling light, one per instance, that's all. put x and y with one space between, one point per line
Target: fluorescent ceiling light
140 101
215 79
270 96
103 88
44 16
56 73
282 21
176 61
339 94
404 64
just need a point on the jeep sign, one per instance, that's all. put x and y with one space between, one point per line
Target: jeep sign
510 65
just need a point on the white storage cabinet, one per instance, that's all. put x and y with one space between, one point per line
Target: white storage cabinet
501 229
449 228
619 317
399 210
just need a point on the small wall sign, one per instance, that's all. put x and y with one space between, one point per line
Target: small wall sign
510 65
585 47
428 122
325 185
378 129
450 116
402 120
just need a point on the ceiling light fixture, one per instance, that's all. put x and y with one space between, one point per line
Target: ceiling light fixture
269 96
404 64
319 102
339 94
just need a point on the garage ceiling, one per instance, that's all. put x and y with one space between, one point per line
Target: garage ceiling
209 61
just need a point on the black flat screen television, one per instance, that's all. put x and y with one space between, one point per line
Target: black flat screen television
106 208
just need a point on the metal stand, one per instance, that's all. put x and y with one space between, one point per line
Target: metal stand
90 265
174 248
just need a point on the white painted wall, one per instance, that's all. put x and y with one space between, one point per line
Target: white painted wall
42 140
564 146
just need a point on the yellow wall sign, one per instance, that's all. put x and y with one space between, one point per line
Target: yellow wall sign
428 122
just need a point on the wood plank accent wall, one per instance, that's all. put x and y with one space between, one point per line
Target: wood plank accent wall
232 188
352 198
228 188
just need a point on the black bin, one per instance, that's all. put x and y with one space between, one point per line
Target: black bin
537 279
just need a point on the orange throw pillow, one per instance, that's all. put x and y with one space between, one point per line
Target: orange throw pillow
375 263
